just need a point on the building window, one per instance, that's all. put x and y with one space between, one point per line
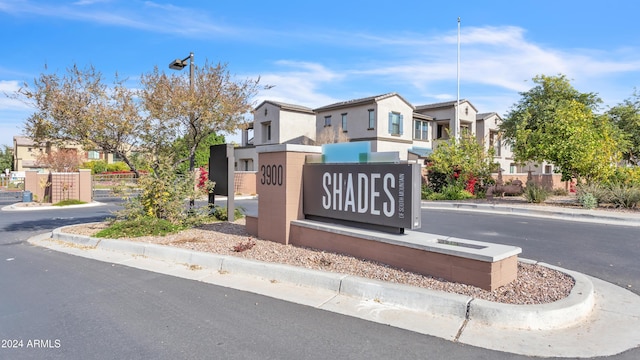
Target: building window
420 130
547 169
512 168
327 121
29 149
442 131
266 132
93 155
372 119
344 122
395 123
495 143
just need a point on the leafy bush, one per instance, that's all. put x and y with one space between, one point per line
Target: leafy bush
118 166
560 192
588 200
437 180
535 193
96 166
601 192
142 226
426 192
451 192
625 196
162 195
220 213
481 192
625 175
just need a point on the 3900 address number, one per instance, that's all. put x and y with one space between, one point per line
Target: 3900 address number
271 175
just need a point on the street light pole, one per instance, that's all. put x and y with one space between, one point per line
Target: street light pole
178 64
456 132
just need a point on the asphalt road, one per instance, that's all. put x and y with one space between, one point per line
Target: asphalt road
607 252
67 307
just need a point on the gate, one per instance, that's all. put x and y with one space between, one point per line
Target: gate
117 185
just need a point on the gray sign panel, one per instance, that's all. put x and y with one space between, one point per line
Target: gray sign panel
378 194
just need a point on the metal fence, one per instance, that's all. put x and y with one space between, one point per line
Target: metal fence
10 196
7 184
10 191
114 185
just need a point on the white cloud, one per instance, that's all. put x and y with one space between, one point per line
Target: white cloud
152 17
497 59
299 83
9 87
89 2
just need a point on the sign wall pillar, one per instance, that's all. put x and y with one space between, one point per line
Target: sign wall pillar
279 187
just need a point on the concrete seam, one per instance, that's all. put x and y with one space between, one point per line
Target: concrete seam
465 322
329 299
468 310
340 284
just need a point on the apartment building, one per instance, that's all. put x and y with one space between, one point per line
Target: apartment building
26 153
388 121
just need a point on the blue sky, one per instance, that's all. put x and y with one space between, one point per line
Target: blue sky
317 53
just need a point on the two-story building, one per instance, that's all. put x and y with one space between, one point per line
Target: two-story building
26 153
274 123
388 121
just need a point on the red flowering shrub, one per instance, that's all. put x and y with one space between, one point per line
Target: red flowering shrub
471 185
202 180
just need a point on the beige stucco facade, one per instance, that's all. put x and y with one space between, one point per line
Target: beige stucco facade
274 123
382 135
279 123
418 133
26 153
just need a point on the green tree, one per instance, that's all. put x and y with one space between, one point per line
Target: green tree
201 155
6 158
459 161
554 122
627 117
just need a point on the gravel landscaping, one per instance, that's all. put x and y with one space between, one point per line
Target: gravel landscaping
534 285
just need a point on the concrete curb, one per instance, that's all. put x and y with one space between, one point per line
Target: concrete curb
560 314
36 208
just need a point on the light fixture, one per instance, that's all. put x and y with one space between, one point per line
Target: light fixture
178 64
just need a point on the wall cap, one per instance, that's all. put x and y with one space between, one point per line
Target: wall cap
288 148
